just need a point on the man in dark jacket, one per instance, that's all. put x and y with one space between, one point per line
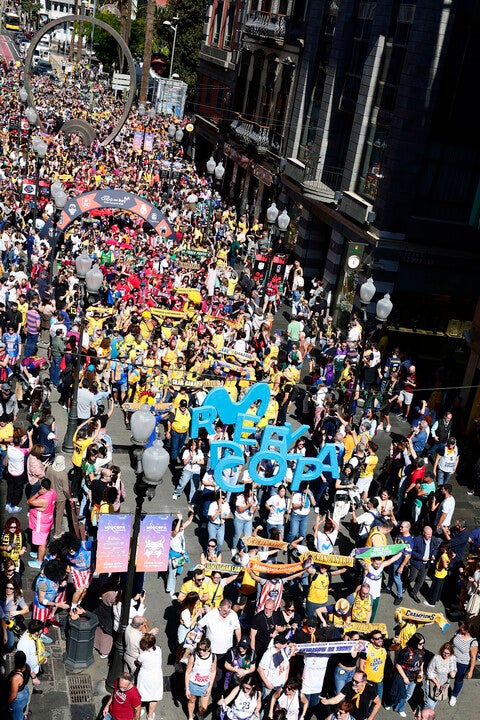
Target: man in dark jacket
424 552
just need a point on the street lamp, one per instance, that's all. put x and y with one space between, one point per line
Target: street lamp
283 221
23 98
383 309
167 23
151 467
216 172
90 281
32 118
175 135
60 200
40 149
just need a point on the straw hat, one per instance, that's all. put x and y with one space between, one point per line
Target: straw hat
342 606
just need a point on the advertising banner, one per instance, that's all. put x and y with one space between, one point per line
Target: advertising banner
113 543
154 543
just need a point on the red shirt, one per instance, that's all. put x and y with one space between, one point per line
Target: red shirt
123 704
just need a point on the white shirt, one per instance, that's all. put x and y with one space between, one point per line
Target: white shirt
447 506
220 631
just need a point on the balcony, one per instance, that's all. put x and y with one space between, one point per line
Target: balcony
266 25
251 133
326 187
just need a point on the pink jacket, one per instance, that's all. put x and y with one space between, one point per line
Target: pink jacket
41 521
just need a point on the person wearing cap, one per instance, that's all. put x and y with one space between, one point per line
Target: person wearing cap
240 662
178 424
57 474
8 402
337 614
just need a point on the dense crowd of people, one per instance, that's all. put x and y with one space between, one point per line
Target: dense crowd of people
280 569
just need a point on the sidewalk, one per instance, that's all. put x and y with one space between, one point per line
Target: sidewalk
79 696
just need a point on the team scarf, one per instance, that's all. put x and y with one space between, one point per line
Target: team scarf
223 567
329 559
420 616
279 568
331 648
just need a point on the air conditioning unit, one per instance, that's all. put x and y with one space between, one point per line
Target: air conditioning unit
355 207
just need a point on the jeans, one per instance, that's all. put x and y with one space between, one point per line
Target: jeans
216 532
341 677
55 370
400 707
442 477
18 705
241 528
394 578
30 345
298 526
188 477
171 577
459 678
176 443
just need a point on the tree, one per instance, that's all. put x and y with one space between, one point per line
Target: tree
191 18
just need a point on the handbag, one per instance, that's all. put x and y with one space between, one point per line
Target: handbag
438 693
472 606
178 561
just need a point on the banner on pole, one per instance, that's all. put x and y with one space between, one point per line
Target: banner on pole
137 140
148 142
154 543
113 543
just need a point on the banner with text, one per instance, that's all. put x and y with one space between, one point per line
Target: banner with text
154 543
113 543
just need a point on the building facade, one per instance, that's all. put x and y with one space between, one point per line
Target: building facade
357 116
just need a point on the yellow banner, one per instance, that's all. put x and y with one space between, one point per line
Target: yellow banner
421 616
325 559
223 567
256 541
365 627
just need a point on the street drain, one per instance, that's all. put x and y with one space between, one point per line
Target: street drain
80 689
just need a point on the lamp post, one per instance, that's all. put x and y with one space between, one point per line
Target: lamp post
382 311
90 278
152 464
216 172
175 136
40 149
23 98
32 118
167 23
273 219
146 117
60 199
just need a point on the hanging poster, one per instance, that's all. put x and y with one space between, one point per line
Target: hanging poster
113 543
154 543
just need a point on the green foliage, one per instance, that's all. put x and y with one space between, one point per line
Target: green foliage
106 49
30 7
191 17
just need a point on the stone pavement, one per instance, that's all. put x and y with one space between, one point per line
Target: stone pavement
61 701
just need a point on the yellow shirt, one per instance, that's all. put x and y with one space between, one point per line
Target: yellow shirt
181 421
370 465
318 591
79 447
361 608
375 663
6 433
378 535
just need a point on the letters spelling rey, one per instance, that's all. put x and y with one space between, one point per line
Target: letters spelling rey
275 442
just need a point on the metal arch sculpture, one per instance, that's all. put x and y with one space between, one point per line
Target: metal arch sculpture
80 126
108 198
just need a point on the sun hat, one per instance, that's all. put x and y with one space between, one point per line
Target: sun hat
59 463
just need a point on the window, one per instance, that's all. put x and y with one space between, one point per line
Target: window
217 23
227 41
